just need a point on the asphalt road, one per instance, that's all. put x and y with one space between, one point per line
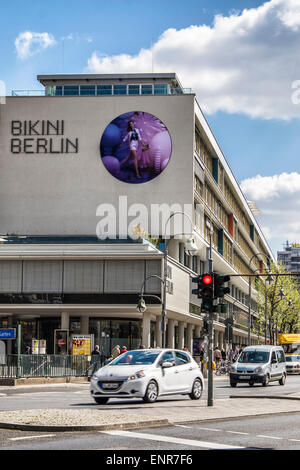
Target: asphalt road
274 432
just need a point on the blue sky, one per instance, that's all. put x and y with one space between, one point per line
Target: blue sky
241 57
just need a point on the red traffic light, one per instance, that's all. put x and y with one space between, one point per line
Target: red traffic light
207 279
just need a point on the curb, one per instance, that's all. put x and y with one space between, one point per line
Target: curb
99 427
272 397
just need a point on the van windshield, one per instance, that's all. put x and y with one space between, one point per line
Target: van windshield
254 357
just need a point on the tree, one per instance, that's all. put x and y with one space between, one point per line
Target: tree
278 304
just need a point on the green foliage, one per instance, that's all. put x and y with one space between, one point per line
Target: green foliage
280 313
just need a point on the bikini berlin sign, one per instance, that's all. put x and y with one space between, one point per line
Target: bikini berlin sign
41 137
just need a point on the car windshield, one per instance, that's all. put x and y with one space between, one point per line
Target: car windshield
254 357
292 358
132 358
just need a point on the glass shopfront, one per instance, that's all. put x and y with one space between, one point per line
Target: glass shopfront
109 333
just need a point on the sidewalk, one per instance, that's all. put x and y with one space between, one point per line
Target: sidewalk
116 415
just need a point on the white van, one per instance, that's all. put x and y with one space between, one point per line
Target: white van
259 364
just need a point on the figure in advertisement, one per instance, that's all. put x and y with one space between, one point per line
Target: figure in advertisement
134 137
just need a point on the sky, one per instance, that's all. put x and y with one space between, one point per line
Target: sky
242 59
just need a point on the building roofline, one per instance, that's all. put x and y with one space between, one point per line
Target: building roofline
105 76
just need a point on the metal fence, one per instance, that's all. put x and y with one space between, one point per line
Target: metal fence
14 366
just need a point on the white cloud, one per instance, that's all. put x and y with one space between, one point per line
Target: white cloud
243 63
278 198
30 43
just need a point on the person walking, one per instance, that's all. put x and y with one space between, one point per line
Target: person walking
115 352
96 358
123 350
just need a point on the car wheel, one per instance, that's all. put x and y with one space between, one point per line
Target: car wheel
151 392
282 380
100 400
266 381
232 384
196 390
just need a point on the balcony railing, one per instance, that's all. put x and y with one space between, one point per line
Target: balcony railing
77 92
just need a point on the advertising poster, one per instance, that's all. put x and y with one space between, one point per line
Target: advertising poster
81 345
135 147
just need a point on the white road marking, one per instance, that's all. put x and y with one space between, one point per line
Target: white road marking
210 429
294 440
30 437
238 432
171 440
269 437
181 426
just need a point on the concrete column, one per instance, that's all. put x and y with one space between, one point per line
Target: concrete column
146 329
171 335
189 345
158 332
180 335
197 331
64 320
84 325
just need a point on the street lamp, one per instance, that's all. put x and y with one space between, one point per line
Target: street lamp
249 308
190 248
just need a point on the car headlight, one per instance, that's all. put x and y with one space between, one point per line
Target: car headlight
137 375
258 370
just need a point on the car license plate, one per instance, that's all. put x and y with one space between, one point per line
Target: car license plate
244 377
110 386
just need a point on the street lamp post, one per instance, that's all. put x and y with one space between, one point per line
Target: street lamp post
250 288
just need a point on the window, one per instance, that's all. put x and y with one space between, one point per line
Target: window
133 89
280 356
195 264
120 89
71 90
146 89
167 357
104 90
274 358
181 358
160 89
87 90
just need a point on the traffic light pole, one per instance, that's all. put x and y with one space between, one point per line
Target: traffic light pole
210 389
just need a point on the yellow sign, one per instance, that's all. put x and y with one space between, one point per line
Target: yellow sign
288 338
81 345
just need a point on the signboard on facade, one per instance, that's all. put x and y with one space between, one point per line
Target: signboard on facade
81 345
7 333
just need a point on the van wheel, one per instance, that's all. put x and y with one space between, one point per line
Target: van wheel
282 380
266 381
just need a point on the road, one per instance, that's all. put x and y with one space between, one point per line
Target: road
279 432
268 432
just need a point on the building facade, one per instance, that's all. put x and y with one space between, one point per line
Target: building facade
98 173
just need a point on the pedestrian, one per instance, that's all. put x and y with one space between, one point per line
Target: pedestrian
186 349
223 354
217 355
123 350
115 352
96 358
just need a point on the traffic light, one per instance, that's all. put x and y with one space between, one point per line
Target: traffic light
219 289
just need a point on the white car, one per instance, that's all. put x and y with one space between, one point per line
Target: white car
292 364
147 374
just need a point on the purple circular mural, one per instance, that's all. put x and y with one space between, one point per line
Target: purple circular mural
135 147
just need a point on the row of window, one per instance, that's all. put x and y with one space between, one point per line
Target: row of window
110 89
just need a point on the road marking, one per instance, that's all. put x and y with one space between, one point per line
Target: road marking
269 437
30 437
171 440
238 432
181 426
210 429
294 440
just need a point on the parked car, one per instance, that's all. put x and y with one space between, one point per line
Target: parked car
259 364
292 364
148 374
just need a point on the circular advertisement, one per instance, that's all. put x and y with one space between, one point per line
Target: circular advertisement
135 147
